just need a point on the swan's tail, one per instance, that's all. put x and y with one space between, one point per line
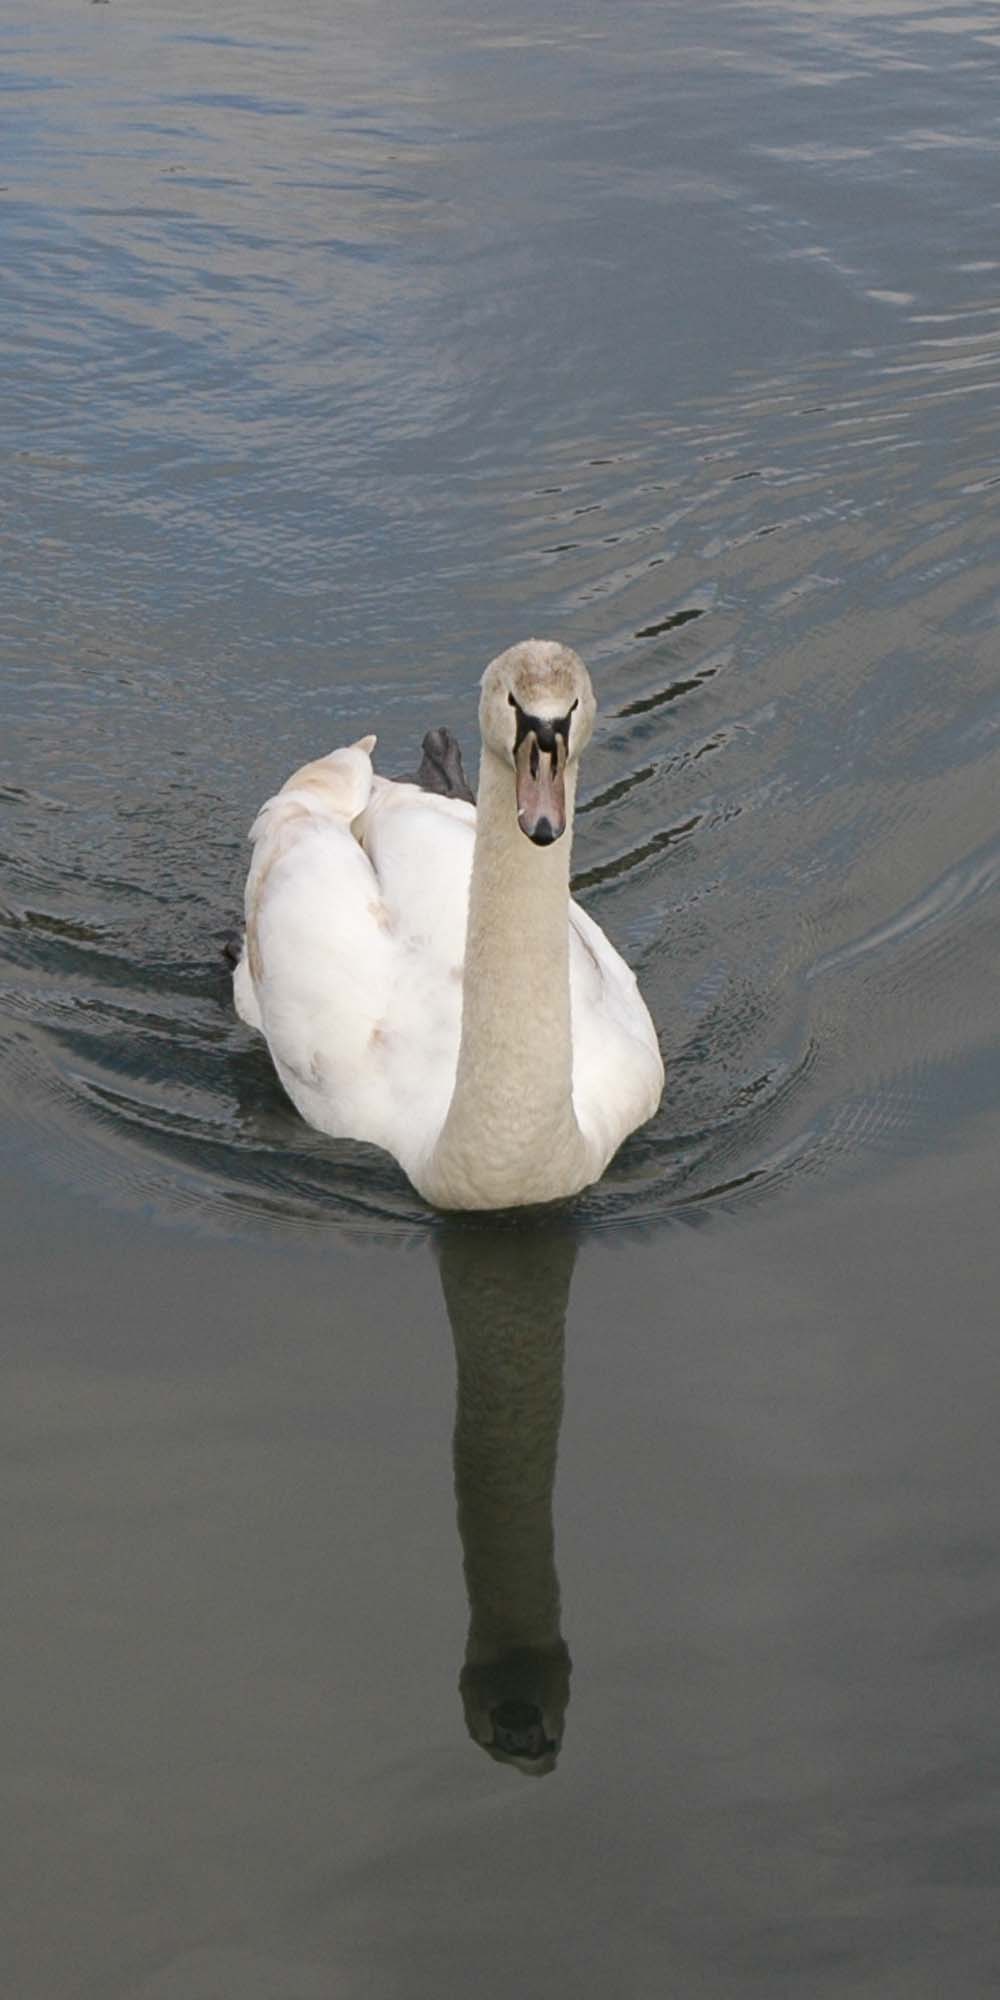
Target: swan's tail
338 786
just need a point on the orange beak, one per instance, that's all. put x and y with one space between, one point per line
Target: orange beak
541 791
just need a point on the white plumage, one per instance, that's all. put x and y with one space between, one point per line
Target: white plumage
361 960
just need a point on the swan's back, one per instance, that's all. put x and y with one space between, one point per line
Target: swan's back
617 1065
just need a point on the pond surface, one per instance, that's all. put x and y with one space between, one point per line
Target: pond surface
606 1602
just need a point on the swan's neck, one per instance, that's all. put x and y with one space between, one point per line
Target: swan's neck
511 1135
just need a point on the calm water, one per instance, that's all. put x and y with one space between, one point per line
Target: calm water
342 346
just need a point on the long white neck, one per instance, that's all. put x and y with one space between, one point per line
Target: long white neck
511 1135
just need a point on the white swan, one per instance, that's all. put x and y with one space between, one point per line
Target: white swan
420 973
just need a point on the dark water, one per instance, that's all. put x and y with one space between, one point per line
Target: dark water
340 347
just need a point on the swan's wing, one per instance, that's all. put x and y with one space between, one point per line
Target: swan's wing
318 961
356 913
420 846
617 1066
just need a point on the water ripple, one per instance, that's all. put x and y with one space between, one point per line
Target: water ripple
292 451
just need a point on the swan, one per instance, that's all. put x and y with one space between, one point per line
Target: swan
420 973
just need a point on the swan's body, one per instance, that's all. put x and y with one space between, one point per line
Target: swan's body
420 973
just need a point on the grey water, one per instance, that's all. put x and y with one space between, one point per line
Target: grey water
605 1602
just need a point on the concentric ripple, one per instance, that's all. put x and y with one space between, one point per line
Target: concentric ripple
303 427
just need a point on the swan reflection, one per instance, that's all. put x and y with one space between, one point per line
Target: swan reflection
506 1289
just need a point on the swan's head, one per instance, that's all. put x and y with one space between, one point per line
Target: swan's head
515 1706
536 711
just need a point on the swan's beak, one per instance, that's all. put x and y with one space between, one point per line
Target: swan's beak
541 791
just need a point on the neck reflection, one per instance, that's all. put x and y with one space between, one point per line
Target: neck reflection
506 1289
